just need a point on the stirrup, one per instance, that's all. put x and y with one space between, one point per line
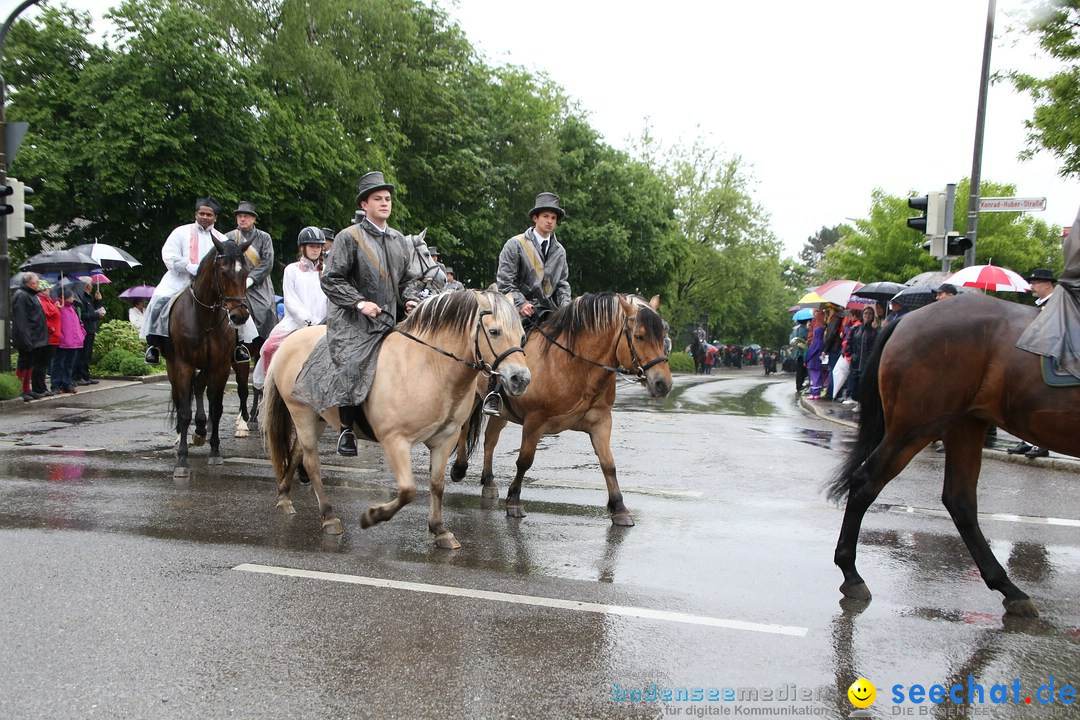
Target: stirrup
153 355
492 404
346 443
241 354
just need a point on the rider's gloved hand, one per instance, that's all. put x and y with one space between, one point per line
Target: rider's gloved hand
193 269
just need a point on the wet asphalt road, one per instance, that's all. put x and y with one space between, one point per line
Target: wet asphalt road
123 599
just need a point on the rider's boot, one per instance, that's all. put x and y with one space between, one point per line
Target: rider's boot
493 404
241 354
346 443
153 355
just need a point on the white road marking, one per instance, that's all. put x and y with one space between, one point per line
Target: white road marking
1004 517
644 613
625 488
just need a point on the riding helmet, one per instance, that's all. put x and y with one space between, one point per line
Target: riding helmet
311 236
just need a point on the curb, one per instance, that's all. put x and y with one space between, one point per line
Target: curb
842 415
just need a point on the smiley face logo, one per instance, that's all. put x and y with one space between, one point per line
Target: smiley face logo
862 693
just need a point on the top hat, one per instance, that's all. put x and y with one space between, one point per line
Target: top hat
432 250
946 288
1044 274
328 234
449 270
371 182
247 208
547 201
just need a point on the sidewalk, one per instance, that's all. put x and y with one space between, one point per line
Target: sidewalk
845 415
103 384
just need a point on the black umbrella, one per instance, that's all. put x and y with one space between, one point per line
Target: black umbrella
108 256
911 298
66 262
883 290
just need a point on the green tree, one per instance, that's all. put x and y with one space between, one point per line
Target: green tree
814 249
1055 124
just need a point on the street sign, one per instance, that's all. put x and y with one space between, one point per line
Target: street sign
1012 204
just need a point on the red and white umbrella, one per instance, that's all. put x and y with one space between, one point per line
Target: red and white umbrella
838 292
989 277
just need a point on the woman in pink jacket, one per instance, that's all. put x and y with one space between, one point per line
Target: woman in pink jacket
72 336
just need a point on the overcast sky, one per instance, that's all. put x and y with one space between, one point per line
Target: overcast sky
824 101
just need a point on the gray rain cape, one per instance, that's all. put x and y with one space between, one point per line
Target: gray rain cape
260 257
365 264
1055 332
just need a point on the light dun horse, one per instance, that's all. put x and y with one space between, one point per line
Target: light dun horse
575 356
950 370
419 395
202 334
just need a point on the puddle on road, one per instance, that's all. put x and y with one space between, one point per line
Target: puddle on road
751 403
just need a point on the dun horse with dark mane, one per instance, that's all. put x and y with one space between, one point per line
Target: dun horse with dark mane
202 333
575 356
950 370
422 393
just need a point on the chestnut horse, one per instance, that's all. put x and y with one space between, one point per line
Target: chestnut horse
422 393
575 356
950 370
202 337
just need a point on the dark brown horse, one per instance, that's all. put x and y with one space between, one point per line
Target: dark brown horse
575 356
950 370
202 334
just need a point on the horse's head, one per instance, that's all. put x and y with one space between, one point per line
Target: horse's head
222 280
503 336
643 350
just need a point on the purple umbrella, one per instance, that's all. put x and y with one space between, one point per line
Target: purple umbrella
139 292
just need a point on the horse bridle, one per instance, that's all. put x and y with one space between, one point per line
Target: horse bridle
227 302
638 371
479 363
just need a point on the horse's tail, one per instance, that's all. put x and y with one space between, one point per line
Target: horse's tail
277 424
476 427
871 422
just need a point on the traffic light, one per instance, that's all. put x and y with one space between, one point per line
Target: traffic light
932 221
955 245
6 207
17 226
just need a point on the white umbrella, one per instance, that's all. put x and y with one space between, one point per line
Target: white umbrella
989 277
109 256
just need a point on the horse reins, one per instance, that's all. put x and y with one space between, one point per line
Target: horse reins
639 369
477 364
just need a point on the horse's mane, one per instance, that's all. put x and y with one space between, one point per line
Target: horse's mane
598 313
456 311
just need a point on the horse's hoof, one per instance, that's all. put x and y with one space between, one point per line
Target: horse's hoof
286 506
198 440
333 526
1021 608
447 541
457 474
241 432
856 591
215 460
515 511
367 519
181 473
623 519
491 492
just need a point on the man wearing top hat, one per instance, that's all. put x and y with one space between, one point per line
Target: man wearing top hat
260 261
182 252
1042 287
365 276
452 284
533 270
532 266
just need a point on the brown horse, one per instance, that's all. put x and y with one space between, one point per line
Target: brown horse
575 356
202 334
422 393
950 370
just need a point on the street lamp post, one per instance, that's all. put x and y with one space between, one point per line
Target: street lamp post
5 259
980 123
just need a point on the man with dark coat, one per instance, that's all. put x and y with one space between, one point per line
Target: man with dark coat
365 276
90 312
260 261
1042 287
533 270
31 334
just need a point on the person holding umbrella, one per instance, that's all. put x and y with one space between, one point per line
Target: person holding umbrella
90 312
